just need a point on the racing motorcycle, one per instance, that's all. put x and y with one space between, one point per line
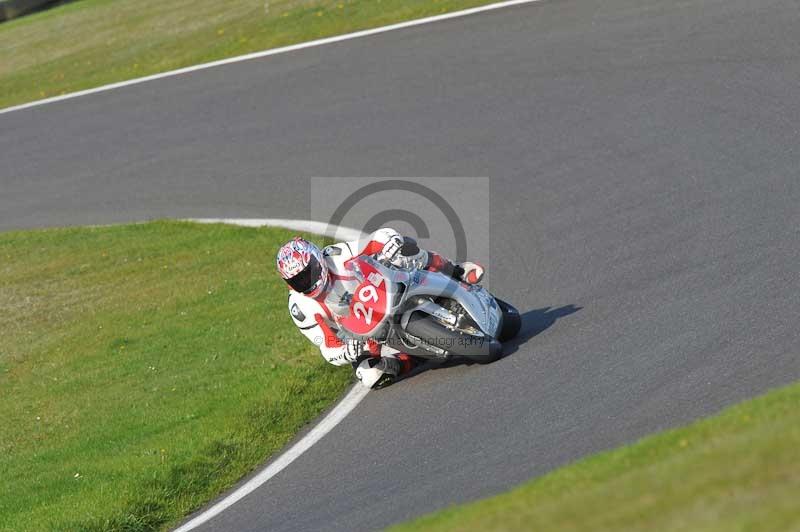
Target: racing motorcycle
426 314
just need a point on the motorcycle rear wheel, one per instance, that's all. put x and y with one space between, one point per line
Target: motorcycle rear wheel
479 349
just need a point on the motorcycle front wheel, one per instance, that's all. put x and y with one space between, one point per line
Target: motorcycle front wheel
512 322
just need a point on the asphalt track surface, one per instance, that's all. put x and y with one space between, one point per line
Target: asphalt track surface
645 216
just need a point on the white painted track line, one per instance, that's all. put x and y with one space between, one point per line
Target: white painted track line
308 226
273 51
336 415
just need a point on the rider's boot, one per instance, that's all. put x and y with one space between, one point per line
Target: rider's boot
407 363
472 272
381 371
468 272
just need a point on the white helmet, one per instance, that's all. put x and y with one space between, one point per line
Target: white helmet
303 267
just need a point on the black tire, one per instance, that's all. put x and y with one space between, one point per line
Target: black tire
512 322
483 350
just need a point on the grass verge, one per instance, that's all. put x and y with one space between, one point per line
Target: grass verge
144 369
739 470
94 42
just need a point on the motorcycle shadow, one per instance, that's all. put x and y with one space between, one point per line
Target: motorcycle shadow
534 322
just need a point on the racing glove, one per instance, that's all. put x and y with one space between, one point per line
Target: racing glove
403 252
391 249
352 349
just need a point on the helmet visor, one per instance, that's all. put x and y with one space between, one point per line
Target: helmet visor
307 280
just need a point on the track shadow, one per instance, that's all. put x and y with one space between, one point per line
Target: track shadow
534 322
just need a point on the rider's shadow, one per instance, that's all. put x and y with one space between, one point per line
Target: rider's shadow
534 322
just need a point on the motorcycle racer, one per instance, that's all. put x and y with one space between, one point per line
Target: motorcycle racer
320 289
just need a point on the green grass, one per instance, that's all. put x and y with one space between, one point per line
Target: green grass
737 471
93 42
144 369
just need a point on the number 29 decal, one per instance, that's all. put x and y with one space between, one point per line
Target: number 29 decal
367 309
366 294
